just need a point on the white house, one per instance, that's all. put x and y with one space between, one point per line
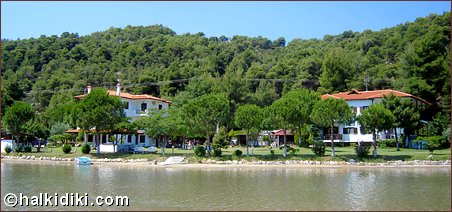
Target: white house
359 101
136 106
7 142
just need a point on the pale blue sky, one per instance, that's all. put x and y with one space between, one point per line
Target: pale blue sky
268 19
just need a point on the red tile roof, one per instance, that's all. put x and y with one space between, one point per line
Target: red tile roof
103 131
365 95
281 132
130 96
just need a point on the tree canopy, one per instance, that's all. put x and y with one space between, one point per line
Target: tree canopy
99 111
376 118
413 57
330 112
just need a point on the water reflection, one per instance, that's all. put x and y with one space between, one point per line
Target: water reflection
360 188
239 188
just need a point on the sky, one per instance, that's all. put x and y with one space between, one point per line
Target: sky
272 20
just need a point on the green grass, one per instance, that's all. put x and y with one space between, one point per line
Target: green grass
260 153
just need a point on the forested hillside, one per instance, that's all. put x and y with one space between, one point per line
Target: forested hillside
413 57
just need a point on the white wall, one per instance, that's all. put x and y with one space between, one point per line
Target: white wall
135 105
10 143
358 104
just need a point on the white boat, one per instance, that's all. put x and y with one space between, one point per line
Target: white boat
83 160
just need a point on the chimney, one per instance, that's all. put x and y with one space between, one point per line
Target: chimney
89 88
118 89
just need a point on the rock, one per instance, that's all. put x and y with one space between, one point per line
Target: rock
430 157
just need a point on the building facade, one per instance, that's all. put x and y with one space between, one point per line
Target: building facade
136 106
358 102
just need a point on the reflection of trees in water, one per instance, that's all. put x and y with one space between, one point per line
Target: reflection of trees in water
361 185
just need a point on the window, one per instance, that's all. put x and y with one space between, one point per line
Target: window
350 130
144 106
103 138
126 105
160 107
142 138
365 107
129 138
354 109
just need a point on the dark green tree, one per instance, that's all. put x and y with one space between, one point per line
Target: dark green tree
249 117
205 113
99 112
302 102
376 118
330 112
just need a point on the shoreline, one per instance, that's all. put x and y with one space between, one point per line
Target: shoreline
209 163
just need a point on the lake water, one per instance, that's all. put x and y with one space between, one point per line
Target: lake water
235 188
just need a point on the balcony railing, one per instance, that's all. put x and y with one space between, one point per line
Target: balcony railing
141 113
335 137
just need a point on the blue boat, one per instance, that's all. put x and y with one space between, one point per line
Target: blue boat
83 160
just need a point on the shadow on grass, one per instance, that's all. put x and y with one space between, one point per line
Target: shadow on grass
371 158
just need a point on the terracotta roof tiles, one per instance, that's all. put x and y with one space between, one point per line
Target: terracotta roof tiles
130 96
365 95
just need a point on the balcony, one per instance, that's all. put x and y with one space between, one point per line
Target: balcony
335 137
141 113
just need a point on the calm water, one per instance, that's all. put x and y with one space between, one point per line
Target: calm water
242 188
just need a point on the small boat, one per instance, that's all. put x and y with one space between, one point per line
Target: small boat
83 160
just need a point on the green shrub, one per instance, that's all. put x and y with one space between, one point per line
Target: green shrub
386 143
86 148
362 151
237 153
67 148
272 153
217 152
18 149
200 151
292 150
27 149
318 148
8 149
432 142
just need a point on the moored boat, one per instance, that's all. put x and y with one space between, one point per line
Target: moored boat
83 160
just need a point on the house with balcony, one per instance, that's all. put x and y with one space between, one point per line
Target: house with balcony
360 101
136 106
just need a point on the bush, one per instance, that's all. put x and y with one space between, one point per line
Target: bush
18 149
432 142
237 153
272 153
86 148
200 151
8 149
217 152
67 148
362 151
387 143
318 148
292 150
27 149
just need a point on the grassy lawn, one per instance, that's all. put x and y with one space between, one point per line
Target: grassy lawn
260 153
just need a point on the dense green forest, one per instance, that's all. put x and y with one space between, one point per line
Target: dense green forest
413 57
